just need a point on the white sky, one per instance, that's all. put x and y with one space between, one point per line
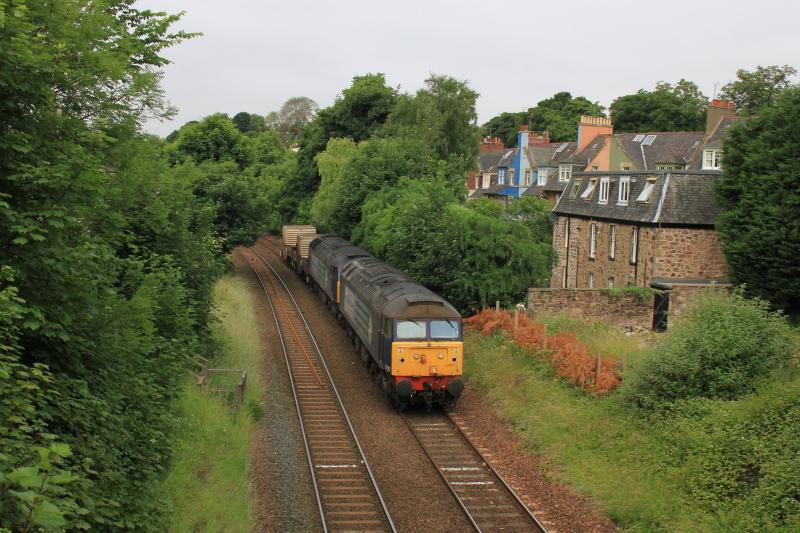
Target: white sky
254 55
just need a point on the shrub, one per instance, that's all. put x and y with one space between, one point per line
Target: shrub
724 344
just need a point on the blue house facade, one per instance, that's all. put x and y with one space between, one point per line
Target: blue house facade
519 172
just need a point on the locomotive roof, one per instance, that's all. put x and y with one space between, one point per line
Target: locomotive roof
333 248
394 293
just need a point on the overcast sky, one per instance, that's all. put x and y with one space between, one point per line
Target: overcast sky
254 55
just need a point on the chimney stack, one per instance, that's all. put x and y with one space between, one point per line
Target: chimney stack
522 136
590 127
717 110
538 138
491 144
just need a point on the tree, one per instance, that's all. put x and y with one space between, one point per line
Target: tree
442 116
248 122
333 164
358 112
215 138
561 114
292 118
760 88
759 194
679 107
505 126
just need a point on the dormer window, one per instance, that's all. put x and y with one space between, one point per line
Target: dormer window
486 180
605 185
541 176
712 159
511 177
564 172
501 176
587 194
624 191
527 177
595 167
575 186
647 192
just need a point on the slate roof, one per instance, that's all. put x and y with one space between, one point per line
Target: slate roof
487 161
670 147
552 185
495 189
542 155
682 197
589 152
566 154
714 140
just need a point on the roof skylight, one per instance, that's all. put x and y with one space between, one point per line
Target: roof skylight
648 140
561 148
638 138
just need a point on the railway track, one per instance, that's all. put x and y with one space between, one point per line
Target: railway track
346 491
488 501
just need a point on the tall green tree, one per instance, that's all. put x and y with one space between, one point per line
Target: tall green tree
759 193
215 138
559 115
358 112
752 91
292 117
679 107
248 123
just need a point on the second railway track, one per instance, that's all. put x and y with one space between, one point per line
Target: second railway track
485 497
347 494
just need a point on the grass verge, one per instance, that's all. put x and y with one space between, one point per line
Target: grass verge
207 486
648 475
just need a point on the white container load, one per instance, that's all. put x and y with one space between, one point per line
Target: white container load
290 232
303 242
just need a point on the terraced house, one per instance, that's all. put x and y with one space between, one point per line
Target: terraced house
642 211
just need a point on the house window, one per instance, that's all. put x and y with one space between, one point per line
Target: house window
610 282
487 179
591 280
527 177
624 190
564 279
564 172
587 194
712 159
626 167
667 167
604 186
566 234
634 245
612 242
501 176
575 186
511 177
541 176
592 240
647 191
595 167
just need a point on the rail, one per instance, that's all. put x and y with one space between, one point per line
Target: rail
347 494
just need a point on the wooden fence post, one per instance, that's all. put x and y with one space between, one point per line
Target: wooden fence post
516 320
497 306
597 374
544 338
241 387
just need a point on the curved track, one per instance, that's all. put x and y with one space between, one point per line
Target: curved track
485 497
346 491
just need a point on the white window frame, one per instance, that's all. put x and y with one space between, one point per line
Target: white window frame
634 244
541 176
591 280
501 176
595 167
566 234
592 240
587 194
612 242
511 173
624 191
610 282
528 178
712 159
564 172
605 186
487 180
647 191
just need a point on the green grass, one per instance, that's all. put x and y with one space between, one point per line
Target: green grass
600 336
648 474
207 485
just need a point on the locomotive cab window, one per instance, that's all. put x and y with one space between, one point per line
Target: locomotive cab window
411 329
444 329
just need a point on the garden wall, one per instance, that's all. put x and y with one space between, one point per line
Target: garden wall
629 311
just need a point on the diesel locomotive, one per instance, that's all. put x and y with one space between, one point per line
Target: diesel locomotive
408 336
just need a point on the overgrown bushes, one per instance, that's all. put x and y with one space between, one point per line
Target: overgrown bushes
723 346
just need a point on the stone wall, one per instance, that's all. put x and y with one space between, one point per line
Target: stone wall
603 270
689 253
626 311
